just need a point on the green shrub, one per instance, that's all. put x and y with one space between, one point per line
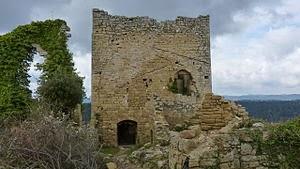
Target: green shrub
283 144
62 93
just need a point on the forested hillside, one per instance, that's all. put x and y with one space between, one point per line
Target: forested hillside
272 111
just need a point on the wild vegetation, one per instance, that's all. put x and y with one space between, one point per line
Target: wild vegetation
17 49
45 142
281 143
38 133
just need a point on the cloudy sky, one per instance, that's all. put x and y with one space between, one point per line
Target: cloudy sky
255 43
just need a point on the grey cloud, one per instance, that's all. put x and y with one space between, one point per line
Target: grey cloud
12 14
16 12
78 13
221 11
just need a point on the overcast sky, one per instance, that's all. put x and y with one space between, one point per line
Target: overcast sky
255 44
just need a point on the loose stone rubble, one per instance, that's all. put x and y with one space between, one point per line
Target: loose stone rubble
231 147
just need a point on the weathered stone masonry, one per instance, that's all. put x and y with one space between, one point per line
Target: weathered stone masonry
135 59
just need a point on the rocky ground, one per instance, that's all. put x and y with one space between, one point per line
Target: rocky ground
146 157
232 147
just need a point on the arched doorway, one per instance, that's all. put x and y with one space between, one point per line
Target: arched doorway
127 132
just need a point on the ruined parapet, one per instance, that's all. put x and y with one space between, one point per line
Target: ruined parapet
104 22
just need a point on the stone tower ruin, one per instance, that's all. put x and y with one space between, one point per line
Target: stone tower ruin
150 76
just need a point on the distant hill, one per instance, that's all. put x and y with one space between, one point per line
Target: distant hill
287 97
272 111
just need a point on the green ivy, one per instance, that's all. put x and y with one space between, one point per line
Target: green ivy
16 55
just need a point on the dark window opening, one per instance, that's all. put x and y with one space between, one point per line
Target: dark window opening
183 82
127 132
206 77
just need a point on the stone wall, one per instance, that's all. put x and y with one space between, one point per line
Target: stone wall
211 113
133 61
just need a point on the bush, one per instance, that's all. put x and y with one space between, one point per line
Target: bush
61 93
48 142
283 144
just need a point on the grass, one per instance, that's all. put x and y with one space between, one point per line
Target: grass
110 150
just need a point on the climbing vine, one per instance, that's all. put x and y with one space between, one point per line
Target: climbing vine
17 49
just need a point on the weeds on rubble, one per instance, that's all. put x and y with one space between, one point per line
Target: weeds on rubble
249 122
180 128
172 86
281 145
110 150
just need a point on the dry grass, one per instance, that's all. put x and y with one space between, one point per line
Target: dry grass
46 142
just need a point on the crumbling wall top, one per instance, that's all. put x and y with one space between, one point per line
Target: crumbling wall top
102 19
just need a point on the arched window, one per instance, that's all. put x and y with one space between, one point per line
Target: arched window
183 82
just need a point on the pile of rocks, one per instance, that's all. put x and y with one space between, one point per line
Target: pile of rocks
228 148
151 157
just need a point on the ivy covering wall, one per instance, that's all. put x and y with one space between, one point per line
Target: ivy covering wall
16 54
